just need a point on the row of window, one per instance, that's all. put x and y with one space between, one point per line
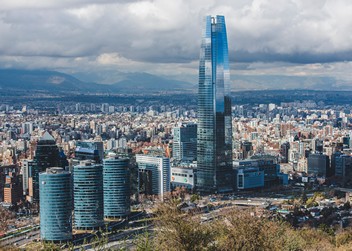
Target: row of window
182 175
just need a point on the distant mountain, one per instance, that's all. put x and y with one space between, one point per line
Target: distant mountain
18 81
53 81
41 80
280 82
139 82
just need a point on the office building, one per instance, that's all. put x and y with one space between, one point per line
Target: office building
343 168
145 183
318 165
346 142
184 147
247 149
249 178
116 184
342 164
88 195
47 155
4 171
182 177
26 165
284 152
55 204
89 150
13 187
267 166
27 128
158 170
214 133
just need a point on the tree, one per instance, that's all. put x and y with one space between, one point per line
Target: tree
5 217
178 231
304 198
195 197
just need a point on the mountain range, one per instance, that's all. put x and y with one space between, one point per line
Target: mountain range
53 81
18 81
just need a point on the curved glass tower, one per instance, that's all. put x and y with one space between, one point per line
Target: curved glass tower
55 205
116 183
214 134
88 195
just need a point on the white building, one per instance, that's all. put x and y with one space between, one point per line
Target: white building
160 169
26 170
182 177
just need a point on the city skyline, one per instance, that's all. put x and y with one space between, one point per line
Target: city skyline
305 42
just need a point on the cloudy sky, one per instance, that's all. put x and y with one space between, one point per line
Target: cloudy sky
266 37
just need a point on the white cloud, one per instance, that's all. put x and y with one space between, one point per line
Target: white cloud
163 37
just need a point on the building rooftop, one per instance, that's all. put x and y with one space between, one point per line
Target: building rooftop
55 170
47 137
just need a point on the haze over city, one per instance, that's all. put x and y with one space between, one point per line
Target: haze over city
272 44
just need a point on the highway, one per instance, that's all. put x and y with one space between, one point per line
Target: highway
21 239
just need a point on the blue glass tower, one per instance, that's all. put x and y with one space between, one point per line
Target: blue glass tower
88 195
214 133
55 204
116 183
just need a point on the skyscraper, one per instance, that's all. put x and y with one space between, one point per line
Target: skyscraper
88 195
318 164
214 134
157 170
116 184
47 154
55 204
185 142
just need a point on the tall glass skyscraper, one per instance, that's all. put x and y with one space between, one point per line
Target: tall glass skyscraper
214 134
55 204
116 184
88 195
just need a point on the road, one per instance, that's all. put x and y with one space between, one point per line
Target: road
21 240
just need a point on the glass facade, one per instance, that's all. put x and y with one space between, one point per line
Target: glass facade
214 134
116 183
160 172
318 164
47 155
185 142
55 205
88 195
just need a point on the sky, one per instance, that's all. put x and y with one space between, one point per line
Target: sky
290 38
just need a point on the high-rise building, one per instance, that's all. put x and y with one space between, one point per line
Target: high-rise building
4 172
343 168
47 154
13 187
116 184
185 142
158 172
247 149
25 174
318 164
27 128
55 204
284 152
88 195
214 134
